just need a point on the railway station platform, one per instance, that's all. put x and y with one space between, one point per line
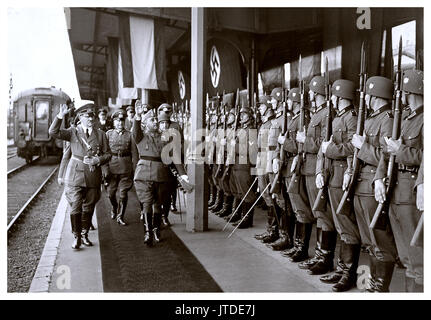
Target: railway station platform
119 261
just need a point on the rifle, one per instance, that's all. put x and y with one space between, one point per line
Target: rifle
322 196
348 193
220 168
383 208
294 181
278 179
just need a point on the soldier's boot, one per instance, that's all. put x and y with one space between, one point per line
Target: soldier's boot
234 204
326 261
351 258
384 271
282 243
371 281
86 223
165 221
212 195
248 220
173 207
75 221
274 233
234 217
226 208
301 253
298 235
260 236
218 201
333 278
114 204
156 227
122 212
307 264
148 224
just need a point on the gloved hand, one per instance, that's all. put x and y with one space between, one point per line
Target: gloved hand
281 139
185 177
91 161
275 165
346 180
379 191
320 182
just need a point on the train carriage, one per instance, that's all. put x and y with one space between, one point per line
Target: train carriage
34 111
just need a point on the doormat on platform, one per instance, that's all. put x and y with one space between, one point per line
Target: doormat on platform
129 265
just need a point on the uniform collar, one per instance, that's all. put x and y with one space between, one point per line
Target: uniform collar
386 107
413 114
348 108
296 115
321 107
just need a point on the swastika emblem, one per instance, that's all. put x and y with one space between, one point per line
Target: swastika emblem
181 85
215 68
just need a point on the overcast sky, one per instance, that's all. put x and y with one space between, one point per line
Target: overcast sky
39 52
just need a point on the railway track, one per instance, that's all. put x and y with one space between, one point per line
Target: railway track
24 186
11 152
18 165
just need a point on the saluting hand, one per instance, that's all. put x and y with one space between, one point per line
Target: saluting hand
139 109
64 109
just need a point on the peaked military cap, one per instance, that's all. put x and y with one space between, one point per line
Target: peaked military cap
119 114
88 108
344 89
164 107
413 81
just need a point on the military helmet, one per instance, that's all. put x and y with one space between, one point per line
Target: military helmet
277 94
380 87
317 85
343 89
231 116
294 95
119 114
266 100
413 81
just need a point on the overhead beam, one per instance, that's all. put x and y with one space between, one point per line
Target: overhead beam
92 69
91 48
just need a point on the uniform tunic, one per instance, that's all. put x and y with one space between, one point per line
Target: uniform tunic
377 126
341 148
403 213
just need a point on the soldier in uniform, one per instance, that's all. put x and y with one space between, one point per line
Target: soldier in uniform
282 201
120 167
83 176
130 116
338 151
211 147
264 166
103 124
164 116
403 213
151 174
299 201
311 140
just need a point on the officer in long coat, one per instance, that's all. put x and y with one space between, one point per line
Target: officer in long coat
403 213
83 176
119 170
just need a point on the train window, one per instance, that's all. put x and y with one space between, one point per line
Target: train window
408 33
41 119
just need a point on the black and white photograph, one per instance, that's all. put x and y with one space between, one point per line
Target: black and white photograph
214 150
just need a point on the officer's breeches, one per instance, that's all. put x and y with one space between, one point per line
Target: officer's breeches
382 245
404 219
151 193
123 182
300 203
82 199
345 224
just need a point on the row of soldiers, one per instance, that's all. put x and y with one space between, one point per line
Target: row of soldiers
313 165
128 154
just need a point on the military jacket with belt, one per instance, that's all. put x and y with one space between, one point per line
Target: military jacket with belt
315 134
343 127
150 166
262 161
77 173
274 133
121 144
377 126
290 146
211 146
408 159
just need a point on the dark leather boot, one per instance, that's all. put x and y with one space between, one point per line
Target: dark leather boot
165 221
235 204
156 235
75 221
384 271
350 256
260 236
114 204
148 224
226 207
248 220
218 203
333 278
157 221
173 207
303 243
234 217
282 243
272 222
326 261
86 223
307 264
121 212
371 281
298 235
212 195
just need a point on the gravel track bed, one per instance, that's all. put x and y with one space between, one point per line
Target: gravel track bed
14 162
28 239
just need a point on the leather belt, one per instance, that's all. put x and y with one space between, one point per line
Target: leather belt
79 158
150 158
121 154
271 148
404 168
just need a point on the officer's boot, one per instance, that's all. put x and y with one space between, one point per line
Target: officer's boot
384 271
156 227
226 208
333 278
247 222
212 195
75 220
114 203
326 261
122 212
303 243
298 236
307 264
86 222
218 201
173 201
351 258
148 223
